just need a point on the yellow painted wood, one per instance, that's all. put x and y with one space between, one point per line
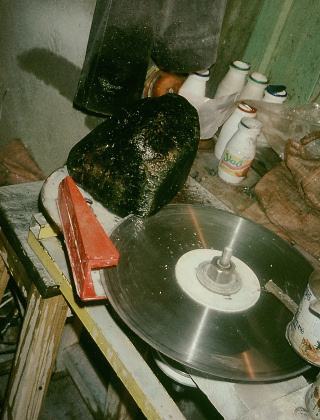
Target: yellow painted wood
42 228
37 348
14 265
46 231
87 320
50 265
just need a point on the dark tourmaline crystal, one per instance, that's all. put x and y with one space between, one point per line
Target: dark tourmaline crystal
136 161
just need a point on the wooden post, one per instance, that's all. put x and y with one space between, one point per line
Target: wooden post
37 348
119 403
4 278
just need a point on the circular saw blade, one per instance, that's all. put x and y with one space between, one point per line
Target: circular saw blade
247 345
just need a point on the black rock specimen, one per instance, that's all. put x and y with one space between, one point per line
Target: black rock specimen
117 56
136 161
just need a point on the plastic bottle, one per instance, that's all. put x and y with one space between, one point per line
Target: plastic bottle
240 151
194 90
255 87
195 84
231 126
276 94
234 80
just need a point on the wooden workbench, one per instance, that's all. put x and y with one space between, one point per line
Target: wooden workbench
46 286
46 308
46 313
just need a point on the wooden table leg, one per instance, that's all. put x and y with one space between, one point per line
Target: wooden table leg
119 403
37 348
4 278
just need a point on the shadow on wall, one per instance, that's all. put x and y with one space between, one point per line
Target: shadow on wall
56 71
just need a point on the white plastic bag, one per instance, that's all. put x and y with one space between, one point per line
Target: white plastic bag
212 112
282 122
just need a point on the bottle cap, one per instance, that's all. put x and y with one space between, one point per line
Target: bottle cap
277 90
251 124
258 78
240 65
202 73
247 108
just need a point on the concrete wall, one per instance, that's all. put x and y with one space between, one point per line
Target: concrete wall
42 48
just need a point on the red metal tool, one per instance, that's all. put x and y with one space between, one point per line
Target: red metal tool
88 245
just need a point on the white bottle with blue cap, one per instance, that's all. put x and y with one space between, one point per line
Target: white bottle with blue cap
275 94
195 84
240 151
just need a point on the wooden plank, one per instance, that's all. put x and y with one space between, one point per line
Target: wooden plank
4 277
236 198
124 358
37 348
238 23
285 46
119 403
14 265
17 204
235 400
90 386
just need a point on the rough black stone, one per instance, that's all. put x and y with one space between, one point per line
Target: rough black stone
137 160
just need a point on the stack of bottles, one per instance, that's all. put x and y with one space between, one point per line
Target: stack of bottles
236 81
249 86
245 86
237 141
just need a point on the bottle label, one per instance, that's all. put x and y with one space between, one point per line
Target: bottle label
234 166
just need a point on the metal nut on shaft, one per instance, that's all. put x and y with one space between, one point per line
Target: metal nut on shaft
218 275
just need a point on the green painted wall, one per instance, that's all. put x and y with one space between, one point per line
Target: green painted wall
285 45
280 38
239 21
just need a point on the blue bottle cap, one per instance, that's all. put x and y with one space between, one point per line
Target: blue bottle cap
277 90
251 124
205 73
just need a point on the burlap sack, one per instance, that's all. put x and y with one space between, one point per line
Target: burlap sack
289 199
17 165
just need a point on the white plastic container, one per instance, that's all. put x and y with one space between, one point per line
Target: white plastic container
276 94
234 80
231 126
195 84
240 151
255 87
303 332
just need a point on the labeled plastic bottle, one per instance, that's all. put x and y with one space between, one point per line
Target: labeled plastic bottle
234 80
240 151
231 126
195 84
255 87
276 94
